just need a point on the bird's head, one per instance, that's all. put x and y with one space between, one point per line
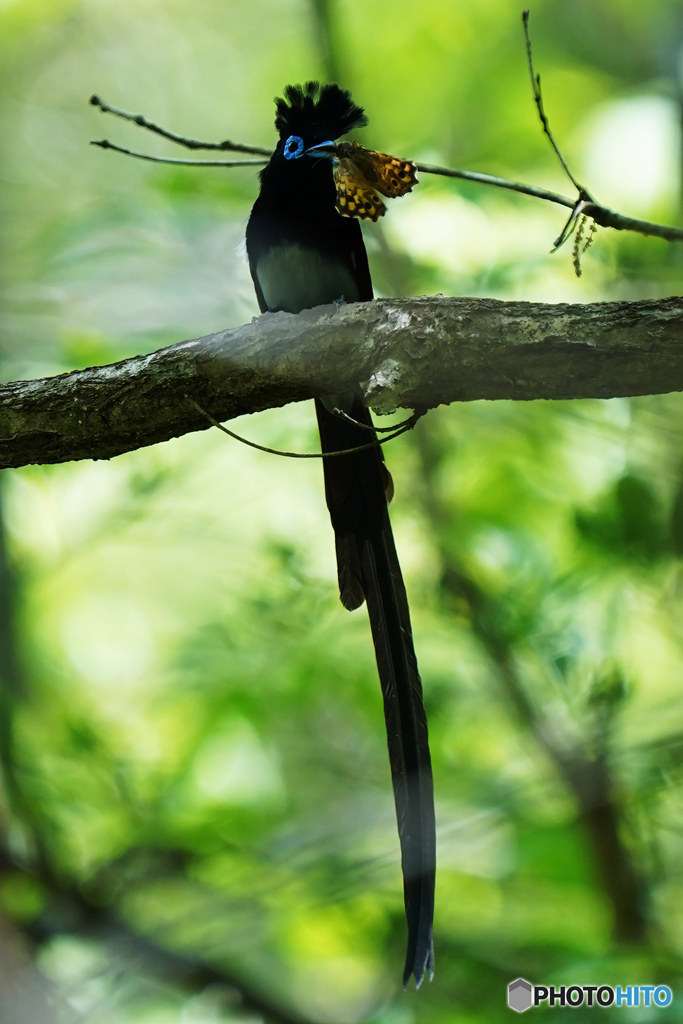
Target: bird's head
309 168
311 115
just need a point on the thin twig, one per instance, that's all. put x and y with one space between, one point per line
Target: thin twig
407 425
235 147
490 179
607 218
602 215
105 144
569 227
538 98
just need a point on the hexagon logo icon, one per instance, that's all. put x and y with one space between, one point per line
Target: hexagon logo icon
520 995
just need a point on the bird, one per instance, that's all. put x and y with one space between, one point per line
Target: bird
305 248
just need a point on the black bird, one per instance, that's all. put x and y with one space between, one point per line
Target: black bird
303 253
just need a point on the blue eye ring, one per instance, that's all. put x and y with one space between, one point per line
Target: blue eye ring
294 147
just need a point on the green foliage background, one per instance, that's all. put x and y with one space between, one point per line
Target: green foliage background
192 741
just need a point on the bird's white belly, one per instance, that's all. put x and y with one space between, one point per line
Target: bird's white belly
293 278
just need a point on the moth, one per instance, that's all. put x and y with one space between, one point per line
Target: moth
360 173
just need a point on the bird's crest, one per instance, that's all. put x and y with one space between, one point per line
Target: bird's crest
317 113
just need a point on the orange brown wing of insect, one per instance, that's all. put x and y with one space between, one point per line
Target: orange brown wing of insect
390 175
395 177
355 196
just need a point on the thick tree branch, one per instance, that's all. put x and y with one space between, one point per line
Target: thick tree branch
410 353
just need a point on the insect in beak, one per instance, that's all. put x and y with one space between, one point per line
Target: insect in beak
360 174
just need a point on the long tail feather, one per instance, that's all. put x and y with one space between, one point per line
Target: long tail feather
356 487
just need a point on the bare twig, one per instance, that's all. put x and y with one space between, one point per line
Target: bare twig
105 144
490 179
570 226
600 214
538 99
374 429
406 425
180 140
577 216
607 218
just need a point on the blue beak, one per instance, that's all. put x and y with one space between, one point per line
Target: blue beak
328 149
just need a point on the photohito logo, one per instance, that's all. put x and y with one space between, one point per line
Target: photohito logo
522 995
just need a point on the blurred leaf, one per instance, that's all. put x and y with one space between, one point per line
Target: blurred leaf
628 522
